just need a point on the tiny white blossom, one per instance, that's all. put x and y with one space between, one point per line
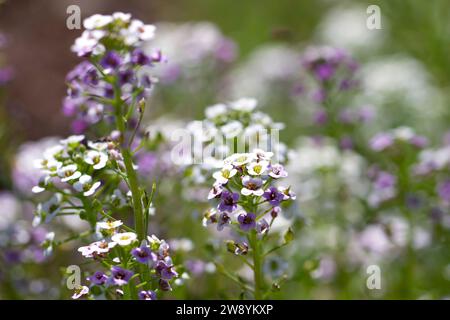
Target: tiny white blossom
108 225
99 146
244 104
138 31
232 129
239 159
97 159
89 43
85 185
263 155
124 239
80 291
53 166
73 141
257 168
227 172
96 248
69 172
96 21
216 110
125 17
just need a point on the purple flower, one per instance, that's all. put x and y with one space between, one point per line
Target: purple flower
224 220
143 254
140 58
247 221
98 278
126 76
320 117
111 60
319 96
273 196
120 276
165 270
385 180
228 201
444 191
381 141
324 72
147 163
346 143
147 295
419 141
164 285
366 114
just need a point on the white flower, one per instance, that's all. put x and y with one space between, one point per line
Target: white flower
403 133
252 186
262 155
96 248
84 184
96 158
43 182
89 43
257 168
97 21
73 141
53 166
216 110
99 146
138 31
232 129
244 104
69 172
52 152
287 193
215 191
225 174
239 159
124 239
125 17
80 291
108 225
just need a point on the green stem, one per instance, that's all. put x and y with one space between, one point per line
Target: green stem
131 173
257 265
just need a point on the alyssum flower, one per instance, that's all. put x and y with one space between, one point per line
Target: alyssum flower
247 193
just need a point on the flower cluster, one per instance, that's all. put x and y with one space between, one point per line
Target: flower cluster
73 170
97 180
114 61
331 68
249 202
403 135
233 127
129 261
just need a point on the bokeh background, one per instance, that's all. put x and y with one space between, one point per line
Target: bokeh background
405 76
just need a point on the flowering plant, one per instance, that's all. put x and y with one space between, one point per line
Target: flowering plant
97 179
249 202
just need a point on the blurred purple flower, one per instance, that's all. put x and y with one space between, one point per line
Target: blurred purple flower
228 201
247 221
